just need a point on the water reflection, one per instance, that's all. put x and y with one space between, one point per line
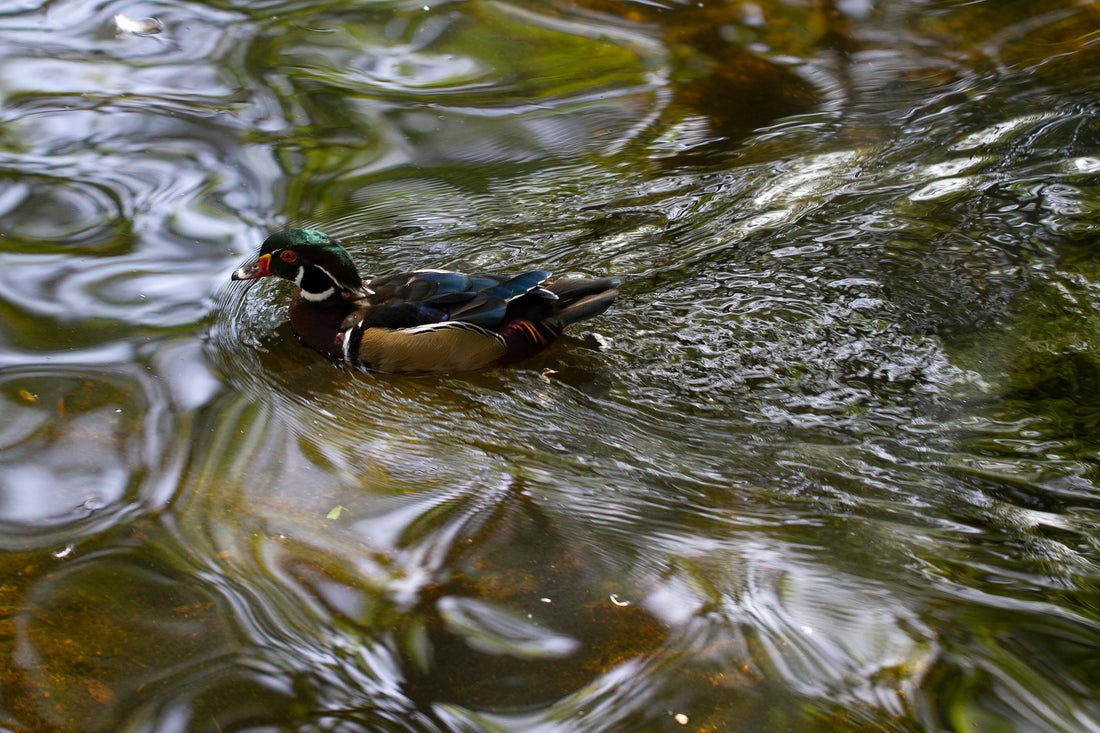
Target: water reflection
80 450
829 464
149 627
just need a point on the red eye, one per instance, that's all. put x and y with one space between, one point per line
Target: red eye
288 256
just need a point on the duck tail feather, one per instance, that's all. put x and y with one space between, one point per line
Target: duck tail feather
587 306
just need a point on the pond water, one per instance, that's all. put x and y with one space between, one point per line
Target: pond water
830 463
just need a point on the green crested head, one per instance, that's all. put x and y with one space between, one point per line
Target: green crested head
309 258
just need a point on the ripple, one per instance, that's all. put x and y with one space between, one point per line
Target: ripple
81 28
78 217
78 452
487 112
404 69
137 611
946 189
138 290
828 462
1002 132
1086 164
109 231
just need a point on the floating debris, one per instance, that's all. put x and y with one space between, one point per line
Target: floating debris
139 27
335 512
63 553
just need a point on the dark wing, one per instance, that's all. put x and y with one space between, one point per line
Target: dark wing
424 297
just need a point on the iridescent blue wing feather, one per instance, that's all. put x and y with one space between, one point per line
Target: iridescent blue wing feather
518 285
489 307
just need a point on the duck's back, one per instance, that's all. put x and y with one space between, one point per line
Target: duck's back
424 297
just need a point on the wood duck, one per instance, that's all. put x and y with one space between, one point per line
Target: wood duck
424 321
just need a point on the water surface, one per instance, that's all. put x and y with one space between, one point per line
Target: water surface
829 464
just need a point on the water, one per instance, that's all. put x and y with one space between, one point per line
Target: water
829 464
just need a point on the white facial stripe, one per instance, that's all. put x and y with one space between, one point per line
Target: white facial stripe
330 277
316 297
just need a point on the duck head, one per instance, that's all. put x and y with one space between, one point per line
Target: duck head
310 259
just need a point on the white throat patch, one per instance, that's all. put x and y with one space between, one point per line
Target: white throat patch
317 297
314 297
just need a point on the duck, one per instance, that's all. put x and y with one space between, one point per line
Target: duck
424 321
